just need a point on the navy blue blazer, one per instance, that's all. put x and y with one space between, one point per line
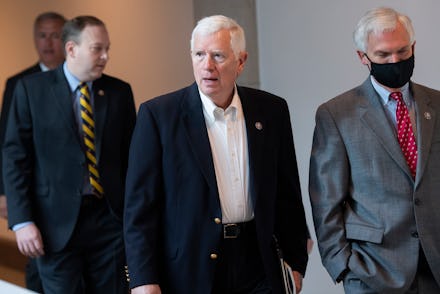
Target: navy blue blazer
44 163
172 198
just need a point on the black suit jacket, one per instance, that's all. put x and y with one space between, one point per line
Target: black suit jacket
44 163
7 99
172 198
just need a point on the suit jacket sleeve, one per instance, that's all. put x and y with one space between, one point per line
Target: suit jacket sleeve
328 187
18 158
142 204
6 104
7 100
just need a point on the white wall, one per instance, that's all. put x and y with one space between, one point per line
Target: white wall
307 56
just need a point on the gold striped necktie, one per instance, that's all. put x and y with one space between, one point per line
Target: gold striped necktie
88 127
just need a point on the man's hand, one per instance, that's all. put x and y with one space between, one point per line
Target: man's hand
29 241
3 207
298 278
146 289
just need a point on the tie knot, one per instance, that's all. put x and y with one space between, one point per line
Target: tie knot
396 96
82 85
84 89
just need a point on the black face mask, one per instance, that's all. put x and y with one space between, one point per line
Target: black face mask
393 75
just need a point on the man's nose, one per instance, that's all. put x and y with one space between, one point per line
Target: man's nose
105 55
395 58
208 62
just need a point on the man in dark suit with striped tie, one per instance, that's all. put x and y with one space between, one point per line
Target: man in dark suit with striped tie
47 39
65 162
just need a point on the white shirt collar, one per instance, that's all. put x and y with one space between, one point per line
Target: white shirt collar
209 107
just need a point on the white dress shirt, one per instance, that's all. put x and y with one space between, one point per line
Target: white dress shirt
228 140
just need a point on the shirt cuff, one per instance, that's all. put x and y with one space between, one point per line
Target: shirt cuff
17 227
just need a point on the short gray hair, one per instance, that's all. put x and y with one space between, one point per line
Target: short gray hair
215 23
380 20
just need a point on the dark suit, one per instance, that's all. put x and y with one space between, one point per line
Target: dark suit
7 99
44 162
172 198
32 277
370 215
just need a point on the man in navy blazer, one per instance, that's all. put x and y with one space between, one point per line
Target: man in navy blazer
212 179
47 40
52 163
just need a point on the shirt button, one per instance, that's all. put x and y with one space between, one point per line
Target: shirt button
213 256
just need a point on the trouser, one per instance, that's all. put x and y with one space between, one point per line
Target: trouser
240 268
93 260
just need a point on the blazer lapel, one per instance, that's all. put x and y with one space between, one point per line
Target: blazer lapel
374 117
100 97
255 124
195 126
63 103
426 117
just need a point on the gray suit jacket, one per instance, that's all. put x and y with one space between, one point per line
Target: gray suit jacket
370 215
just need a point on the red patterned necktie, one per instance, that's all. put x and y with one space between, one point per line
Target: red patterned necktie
405 133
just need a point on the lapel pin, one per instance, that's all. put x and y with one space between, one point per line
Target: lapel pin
427 115
258 126
101 92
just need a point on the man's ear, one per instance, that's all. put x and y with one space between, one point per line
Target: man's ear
362 57
242 57
69 48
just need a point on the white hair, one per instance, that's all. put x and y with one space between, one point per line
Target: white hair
215 23
379 20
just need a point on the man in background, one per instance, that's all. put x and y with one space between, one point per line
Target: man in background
375 169
47 39
212 179
65 159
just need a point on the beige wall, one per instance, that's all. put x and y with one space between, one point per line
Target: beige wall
149 39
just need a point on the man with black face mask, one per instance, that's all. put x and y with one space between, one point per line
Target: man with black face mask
375 169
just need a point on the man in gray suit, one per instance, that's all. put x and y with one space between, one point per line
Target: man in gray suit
375 210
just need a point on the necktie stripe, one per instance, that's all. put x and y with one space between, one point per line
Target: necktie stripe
88 119
97 186
94 171
91 157
89 144
84 91
88 131
88 127
86 105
